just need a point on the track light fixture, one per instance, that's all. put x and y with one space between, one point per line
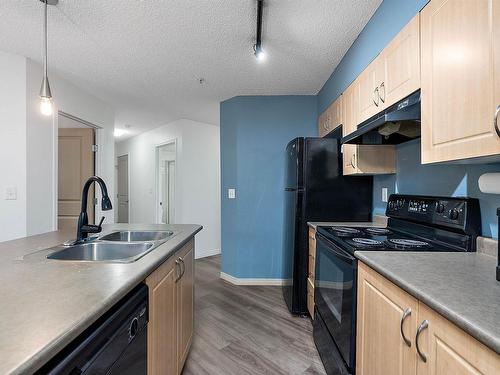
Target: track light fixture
257 48
46 107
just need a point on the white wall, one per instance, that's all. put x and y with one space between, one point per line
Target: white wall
41 141
28 145
197 190
12 145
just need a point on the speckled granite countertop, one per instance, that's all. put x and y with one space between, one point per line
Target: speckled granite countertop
45 304
460 286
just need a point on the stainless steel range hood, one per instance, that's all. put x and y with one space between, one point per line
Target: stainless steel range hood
397 124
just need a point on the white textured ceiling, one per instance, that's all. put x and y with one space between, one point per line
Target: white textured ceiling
145 57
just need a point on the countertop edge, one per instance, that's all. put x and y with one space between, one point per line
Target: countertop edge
34 363
482 336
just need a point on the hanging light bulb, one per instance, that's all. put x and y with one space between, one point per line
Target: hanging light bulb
46 105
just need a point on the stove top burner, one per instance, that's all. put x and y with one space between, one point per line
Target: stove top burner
405 243
378 231
346 230
366 242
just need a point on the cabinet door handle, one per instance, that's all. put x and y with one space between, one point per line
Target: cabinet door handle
353 161
495 120
406 313
420 328
382 98
183 267
376 94
178 264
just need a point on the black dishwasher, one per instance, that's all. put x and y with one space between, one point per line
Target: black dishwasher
115 344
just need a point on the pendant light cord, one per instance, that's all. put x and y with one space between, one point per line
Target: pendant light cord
45 33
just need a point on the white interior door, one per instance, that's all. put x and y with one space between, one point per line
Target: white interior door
123 199
166 184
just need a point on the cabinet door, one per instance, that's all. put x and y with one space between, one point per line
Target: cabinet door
322 124
451 351
458 81
369 102
336 113
349 109
349 158
381 349
401 64
161 326
185 306
496 46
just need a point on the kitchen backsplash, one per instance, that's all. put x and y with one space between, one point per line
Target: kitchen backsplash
438 179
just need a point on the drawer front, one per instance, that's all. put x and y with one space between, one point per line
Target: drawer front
310 297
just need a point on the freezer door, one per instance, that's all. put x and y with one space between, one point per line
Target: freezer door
293 161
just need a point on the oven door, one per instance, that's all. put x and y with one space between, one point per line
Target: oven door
335 296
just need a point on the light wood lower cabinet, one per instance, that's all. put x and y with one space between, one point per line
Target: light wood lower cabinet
171 312
185 306
311 271
382 349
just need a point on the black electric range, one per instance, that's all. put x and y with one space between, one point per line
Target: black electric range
416 223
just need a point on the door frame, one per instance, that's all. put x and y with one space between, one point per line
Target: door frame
127 154
157 170
97 159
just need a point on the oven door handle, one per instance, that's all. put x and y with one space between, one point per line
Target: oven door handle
339 253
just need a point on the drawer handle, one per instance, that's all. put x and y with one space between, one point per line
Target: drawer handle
376 94
495 120
382 98
406 313
421 327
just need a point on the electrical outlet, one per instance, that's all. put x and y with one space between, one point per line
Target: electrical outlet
231 193
384 195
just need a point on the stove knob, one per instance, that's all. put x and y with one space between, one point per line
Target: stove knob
454 214
391 205
440 208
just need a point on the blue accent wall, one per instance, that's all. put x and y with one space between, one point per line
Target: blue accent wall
411 177
254 133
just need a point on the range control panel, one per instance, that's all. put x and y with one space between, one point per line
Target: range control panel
451 212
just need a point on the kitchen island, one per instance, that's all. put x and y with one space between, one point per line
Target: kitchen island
48 303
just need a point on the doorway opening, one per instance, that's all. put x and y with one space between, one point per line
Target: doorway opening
166 155
76 160
123 189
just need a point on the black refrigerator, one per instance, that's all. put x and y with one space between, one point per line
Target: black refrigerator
316 190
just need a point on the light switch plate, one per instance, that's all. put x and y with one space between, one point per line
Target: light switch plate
384 195
231 193
10 193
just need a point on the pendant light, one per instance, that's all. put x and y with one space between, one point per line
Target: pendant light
257 48
46 106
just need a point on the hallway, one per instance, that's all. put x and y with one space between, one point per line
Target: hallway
246 330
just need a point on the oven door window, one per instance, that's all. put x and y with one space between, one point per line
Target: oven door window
335 295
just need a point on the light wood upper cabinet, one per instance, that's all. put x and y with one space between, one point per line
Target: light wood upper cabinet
459 68
451 351
331 118
380 346
382 349
401 65
366 159
185 305
368 92
350 109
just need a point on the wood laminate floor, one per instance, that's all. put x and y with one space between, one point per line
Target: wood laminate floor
246 330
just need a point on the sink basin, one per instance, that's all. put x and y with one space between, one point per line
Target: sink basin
137 236
103 251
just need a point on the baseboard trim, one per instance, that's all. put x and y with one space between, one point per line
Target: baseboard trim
206 253
248 281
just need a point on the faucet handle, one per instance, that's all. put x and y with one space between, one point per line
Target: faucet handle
100 222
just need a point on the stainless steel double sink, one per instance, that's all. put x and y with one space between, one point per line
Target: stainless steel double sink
120 246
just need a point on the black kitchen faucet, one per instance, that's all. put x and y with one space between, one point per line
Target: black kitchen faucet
84 228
